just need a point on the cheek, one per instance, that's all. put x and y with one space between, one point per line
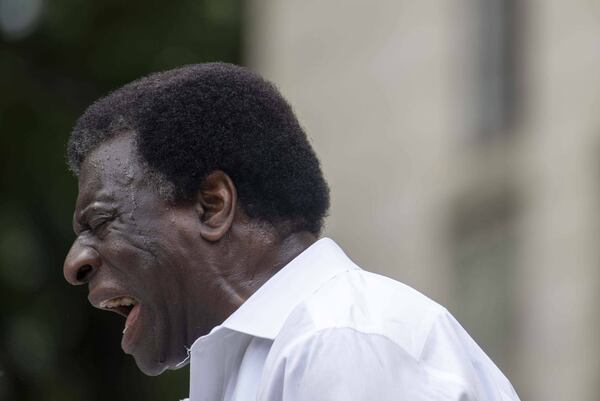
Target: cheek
131 250
150 253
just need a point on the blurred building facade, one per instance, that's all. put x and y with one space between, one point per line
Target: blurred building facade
461 141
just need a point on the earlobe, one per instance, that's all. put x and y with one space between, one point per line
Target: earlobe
216 203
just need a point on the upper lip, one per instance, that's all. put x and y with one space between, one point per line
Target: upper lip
100 296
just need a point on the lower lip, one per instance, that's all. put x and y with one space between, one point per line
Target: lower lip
130 337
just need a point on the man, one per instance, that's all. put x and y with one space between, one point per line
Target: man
199 211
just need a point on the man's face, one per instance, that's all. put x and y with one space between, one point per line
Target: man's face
139 256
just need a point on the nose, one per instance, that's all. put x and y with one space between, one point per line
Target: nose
81 264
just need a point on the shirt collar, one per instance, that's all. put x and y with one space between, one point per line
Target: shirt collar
264 313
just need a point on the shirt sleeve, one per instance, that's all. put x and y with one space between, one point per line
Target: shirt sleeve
450 354
344 364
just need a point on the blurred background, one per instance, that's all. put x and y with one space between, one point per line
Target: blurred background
461 141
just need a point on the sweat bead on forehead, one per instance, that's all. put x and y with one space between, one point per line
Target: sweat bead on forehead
115 162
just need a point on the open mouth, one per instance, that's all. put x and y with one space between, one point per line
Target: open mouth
124 306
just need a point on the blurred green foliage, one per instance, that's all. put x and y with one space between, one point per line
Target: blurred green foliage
56 57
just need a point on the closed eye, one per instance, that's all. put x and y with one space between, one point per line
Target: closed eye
93 219
97 225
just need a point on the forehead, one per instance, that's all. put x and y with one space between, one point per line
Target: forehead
110 171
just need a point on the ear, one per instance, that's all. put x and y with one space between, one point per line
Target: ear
216 203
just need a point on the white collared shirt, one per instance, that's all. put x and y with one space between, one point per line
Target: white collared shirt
322 329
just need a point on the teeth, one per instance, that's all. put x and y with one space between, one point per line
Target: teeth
122 301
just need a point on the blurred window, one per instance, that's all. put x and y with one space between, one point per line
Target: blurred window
484 249
496 97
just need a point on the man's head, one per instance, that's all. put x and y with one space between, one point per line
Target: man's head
182 176
200 118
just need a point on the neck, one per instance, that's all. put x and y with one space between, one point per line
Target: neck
259 258
274 256
241 264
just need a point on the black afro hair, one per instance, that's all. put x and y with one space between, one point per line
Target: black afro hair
199 118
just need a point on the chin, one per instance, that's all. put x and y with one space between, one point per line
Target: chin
151 369
149 362
154 367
